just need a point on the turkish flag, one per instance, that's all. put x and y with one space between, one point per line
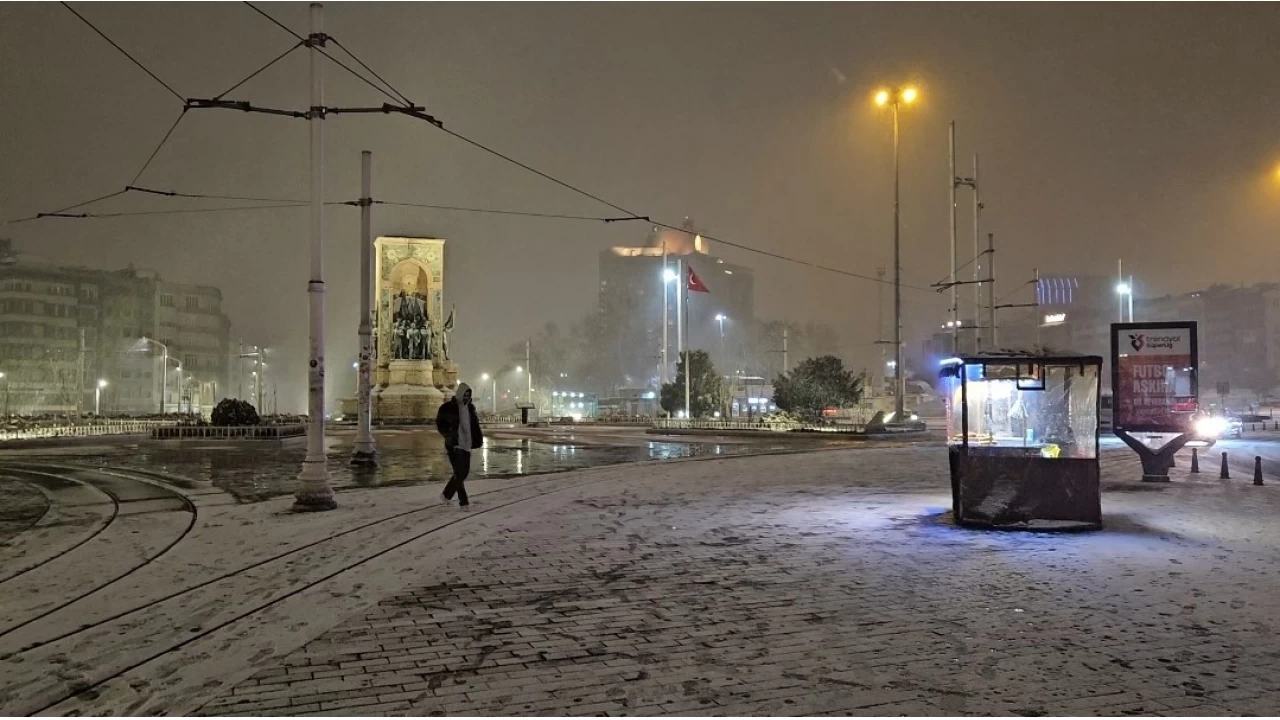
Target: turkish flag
695 283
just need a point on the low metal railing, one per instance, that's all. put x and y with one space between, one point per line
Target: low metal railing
219 432
759 426
106 427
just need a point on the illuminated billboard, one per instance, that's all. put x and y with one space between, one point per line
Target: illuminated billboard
1153 376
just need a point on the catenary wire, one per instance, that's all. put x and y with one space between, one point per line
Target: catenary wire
257 72
125 53
403 98
155 152
321 50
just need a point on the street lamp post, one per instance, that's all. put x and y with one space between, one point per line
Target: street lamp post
164 367
894 98
1125 291
97 398
720 318
668 276
493 392
6 392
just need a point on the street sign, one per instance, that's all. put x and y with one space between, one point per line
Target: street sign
1153 376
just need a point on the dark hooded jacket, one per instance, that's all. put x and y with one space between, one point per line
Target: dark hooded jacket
447 422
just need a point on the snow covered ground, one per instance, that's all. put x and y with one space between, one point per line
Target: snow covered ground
822 582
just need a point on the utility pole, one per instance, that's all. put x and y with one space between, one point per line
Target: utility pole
528 371
1037 319
680 312
977 258
80 377
315 492
257 383
684 282
991 287
785 365
899 374
665 292
364 452
955 298
1119 296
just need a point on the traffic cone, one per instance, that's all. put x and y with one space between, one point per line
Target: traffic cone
1195 461
1257 469
1226 472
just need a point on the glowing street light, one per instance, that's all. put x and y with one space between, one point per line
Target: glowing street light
894 97
1125 291
97 397
493 392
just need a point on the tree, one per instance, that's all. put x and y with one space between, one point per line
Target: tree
234 413
817 384
706 388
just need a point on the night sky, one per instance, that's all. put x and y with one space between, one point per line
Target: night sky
1147 132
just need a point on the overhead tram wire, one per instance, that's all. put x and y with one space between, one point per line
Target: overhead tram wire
321 50
155 152
124 52
257 72
404 98
630 215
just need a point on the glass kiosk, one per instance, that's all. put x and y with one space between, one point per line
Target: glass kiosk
1022 436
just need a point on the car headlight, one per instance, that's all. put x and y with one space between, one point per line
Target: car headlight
1211 426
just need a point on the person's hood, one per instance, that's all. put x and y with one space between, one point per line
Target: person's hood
460 391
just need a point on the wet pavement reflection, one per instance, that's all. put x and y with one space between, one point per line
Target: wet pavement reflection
257 470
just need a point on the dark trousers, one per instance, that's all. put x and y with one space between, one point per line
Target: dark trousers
461 462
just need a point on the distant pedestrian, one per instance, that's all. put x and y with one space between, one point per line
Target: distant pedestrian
458 422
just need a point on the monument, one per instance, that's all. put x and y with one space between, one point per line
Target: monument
413 370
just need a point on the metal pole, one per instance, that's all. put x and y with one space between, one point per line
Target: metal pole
1036 319
364 452
315 492
164 376
257 383
679 309
955 297
722 355
898 370
665 292
80 379
1120 299
688 414
977 258
495 395
528 372
97 400
785 367
1131 291
991 286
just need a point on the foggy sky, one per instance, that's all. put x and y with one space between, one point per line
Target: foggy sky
1146 132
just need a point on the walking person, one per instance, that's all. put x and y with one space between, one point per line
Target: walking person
458 422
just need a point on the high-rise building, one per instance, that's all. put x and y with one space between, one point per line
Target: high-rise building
631 299
64 329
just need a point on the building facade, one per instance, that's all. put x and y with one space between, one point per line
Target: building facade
1238 327
632 283
75 339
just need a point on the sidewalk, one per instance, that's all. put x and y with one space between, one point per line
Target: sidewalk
828 582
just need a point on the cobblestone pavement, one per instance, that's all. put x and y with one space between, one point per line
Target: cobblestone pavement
830 583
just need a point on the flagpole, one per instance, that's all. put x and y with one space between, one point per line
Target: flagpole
687 369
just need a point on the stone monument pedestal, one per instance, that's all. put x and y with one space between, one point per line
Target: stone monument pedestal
410 396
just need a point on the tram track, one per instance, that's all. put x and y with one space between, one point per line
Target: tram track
88 686
301 548
115 513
